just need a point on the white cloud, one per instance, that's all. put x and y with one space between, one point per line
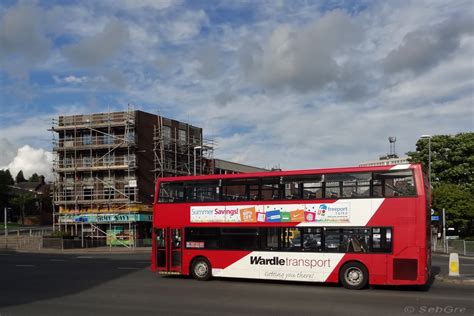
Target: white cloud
23 41
32 160
141 4
8 151
425 48
304 58
186 26
28 130
71 79
99 48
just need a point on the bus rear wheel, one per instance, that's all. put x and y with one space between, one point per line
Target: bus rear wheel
354 276
201 269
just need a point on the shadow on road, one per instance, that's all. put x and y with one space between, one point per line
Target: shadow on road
29 277
435 271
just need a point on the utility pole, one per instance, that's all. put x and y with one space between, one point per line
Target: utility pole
444 232
5 226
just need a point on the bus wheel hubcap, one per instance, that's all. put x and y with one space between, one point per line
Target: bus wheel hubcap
354 276
201 269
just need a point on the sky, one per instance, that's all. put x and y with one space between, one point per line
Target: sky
290 84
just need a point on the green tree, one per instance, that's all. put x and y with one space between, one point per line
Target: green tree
458 201
452 158
452 175
34 178
20 177
22 201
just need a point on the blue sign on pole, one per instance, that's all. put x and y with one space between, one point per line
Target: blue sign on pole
434 217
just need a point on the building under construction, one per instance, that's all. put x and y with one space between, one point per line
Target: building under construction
106 165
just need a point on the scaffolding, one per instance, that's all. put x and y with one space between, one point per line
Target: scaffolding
105 165
179 149
94 163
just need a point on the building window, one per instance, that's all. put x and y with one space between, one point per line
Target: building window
129 160
86 161
67 162
166 133
109 159
182 135
68 140
109 139
88 179
109 193
88 193
68 193
130 193
86 139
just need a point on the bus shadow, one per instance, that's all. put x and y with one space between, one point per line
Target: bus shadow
417 288
257 281
30 277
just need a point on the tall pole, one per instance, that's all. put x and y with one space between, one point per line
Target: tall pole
444 232
5 222
429 156
429 160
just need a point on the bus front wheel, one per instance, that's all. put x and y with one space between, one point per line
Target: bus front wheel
354 276
201 269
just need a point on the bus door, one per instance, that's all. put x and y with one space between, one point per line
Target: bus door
168 249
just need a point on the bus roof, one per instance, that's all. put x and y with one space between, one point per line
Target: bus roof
290 172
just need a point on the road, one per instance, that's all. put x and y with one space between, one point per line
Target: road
122 284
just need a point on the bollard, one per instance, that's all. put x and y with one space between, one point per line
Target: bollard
453 265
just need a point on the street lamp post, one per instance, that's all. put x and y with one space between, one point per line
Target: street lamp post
429 156
197 147
429 180
5 231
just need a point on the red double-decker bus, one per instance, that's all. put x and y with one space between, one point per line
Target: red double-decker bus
356 226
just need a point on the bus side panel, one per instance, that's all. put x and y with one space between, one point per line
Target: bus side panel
407 216
274 265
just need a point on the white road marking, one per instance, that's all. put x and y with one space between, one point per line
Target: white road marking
25 265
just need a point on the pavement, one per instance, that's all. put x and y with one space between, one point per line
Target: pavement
440 262
466 270
95 250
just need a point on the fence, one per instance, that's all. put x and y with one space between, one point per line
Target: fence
37 241
77 243
462 247
27 242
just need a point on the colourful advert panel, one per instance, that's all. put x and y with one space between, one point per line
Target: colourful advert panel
295 213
